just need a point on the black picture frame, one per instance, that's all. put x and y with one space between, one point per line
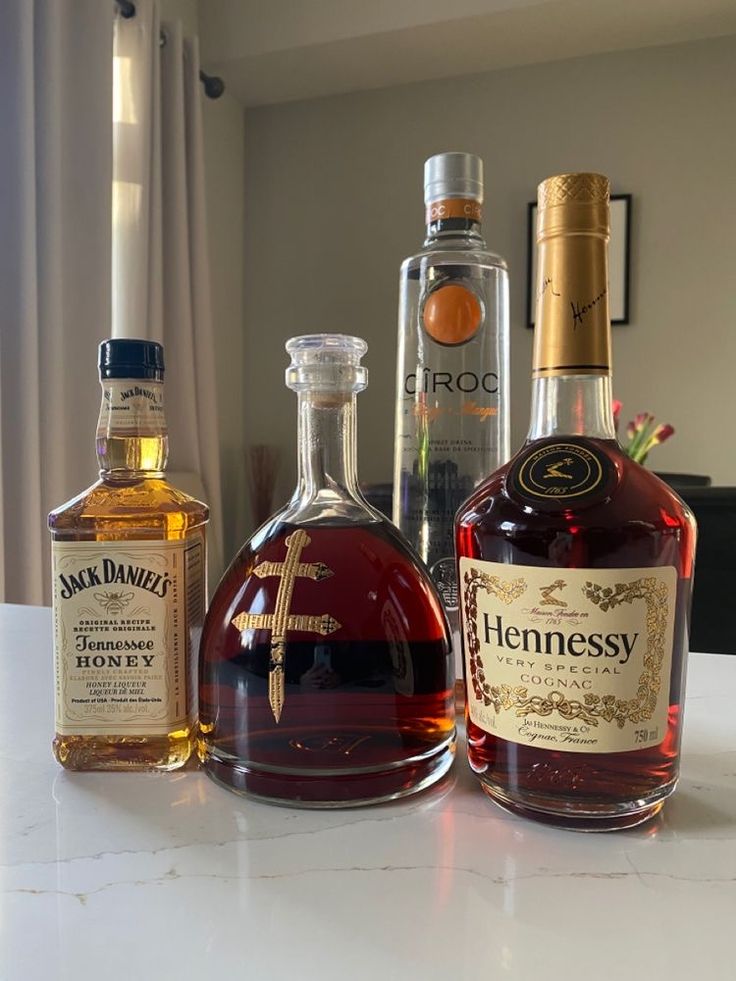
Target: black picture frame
619 260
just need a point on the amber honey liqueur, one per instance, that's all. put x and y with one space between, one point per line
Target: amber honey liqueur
128 568
575 568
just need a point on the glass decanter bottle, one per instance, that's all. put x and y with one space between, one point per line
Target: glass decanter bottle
326 675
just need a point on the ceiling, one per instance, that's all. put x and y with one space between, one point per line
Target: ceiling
272 51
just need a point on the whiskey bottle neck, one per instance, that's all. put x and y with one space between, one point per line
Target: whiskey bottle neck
132 439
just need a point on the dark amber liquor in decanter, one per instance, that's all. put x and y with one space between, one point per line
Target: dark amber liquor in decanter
325 675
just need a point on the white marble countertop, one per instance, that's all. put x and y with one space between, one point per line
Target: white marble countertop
130 877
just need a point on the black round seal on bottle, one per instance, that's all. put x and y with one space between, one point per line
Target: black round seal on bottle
561 473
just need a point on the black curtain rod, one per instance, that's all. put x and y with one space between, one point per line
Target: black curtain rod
213 84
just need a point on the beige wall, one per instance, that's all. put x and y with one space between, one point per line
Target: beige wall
333 203
225 166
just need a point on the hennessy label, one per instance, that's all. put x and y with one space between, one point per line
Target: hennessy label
576 660
127 620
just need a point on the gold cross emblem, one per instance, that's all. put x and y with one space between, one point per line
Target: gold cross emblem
281 619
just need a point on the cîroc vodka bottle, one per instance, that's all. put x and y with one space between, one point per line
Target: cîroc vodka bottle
452 426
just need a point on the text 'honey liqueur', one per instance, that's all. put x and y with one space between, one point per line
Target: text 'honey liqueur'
575 568
129 573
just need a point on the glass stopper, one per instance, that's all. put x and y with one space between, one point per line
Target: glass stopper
326 363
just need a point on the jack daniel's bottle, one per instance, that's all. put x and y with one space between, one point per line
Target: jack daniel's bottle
325 673
452 426
129 570
576 570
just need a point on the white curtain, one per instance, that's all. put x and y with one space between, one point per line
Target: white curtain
55 183
160 270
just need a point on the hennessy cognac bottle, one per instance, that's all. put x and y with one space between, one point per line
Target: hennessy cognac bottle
575 568
325 673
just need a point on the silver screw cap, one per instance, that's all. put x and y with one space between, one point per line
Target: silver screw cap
453 175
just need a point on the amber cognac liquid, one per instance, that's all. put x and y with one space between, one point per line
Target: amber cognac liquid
371 697
641 526
576 571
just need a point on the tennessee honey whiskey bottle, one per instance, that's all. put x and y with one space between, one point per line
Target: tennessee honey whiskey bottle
575 568
128 586
325 675
452 424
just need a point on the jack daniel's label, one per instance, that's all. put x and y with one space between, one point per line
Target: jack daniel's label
576 660
132 406
127 621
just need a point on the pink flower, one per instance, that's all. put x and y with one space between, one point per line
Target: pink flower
642 433
642 419
661 433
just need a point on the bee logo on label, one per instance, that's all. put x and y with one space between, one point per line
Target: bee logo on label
112 602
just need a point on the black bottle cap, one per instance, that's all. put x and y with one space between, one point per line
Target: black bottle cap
124 358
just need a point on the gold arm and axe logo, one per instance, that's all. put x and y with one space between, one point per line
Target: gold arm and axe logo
546 593
552 608
554 471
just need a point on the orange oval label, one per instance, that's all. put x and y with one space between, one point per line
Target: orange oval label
452 314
